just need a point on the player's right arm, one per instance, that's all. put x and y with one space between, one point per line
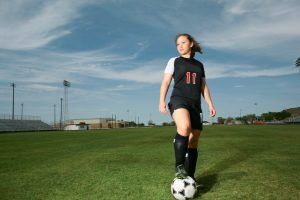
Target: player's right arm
163 92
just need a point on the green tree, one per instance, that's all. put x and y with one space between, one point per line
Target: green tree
151 123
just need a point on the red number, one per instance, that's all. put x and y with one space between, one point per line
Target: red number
188 78
194 78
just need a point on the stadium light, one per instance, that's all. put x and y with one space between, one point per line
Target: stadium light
297 63
13 100
66 84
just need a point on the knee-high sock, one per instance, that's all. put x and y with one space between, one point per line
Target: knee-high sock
180 148
191 161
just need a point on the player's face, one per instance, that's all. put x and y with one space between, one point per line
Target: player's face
184 46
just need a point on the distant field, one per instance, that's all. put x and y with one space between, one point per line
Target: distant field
236 162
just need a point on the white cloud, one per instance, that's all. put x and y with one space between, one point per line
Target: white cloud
46 88
33 24
47 68
146 72
219 70
239 86
254 25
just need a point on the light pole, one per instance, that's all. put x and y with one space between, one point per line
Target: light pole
128 116
13 103
66 84
150 120
54 120
60 124
22 104
256 116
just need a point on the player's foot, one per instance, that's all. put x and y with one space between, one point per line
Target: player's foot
199 186
181 172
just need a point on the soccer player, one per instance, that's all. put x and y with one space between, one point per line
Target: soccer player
185 102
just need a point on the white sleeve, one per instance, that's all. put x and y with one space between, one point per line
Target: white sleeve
170 66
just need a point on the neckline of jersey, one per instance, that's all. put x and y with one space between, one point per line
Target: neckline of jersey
186 58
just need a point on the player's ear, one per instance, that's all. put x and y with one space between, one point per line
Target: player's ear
192 44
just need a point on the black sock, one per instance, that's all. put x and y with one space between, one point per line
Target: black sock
180 148
191 161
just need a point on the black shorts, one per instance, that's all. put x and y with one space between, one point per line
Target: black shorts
193 107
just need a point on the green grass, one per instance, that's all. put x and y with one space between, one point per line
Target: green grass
236 162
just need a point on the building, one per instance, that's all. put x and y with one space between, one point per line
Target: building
98 123
77 127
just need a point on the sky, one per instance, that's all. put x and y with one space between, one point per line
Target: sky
114 52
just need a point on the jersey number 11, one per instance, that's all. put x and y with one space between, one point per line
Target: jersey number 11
188 78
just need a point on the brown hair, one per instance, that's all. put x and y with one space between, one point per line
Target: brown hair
196 46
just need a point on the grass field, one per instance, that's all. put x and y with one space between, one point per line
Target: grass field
236 162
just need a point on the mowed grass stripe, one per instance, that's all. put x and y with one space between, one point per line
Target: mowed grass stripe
236 162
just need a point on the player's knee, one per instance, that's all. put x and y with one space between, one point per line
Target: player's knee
184 129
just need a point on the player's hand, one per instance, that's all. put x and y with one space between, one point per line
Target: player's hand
212 111
163 108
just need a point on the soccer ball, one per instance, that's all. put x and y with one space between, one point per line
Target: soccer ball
183 189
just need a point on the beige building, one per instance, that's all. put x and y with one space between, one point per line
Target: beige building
98 123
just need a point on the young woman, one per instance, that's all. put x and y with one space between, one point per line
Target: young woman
185 102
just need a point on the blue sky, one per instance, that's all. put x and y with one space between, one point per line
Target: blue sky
114 54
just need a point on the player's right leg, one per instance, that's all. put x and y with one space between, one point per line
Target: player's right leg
192 155
181 117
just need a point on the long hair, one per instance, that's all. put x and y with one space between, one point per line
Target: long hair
196 46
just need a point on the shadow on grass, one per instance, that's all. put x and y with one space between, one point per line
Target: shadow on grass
210 178
208 181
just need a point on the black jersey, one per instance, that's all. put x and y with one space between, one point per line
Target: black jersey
187 74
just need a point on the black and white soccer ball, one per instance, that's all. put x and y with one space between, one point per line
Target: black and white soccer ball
183 189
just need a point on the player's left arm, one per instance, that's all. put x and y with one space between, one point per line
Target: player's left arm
206 94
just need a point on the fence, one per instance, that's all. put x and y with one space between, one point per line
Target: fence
20 117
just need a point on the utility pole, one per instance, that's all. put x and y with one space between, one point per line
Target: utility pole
60 124
54 120
241 114
256 117
22 104
13 102
128 116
